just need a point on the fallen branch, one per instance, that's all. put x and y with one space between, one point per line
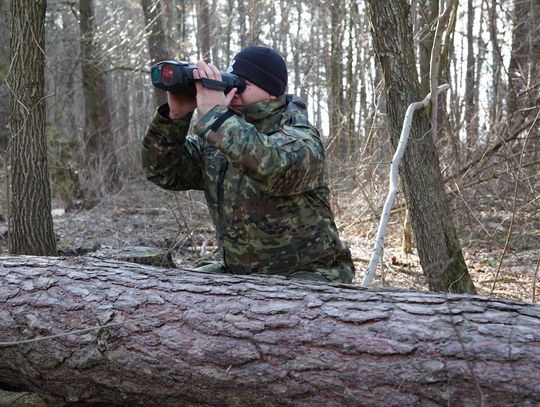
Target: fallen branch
393 188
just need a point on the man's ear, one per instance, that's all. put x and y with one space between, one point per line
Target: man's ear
273 97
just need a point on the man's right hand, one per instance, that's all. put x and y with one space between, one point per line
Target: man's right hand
180 105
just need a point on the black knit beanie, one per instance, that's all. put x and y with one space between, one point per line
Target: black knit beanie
262 66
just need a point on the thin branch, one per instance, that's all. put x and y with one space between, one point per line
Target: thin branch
514 200
513 134
398 155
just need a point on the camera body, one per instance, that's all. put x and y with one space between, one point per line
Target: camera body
177 76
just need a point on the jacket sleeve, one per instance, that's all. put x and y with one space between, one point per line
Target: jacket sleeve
171 158
287 162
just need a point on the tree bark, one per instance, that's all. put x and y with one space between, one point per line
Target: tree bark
31 227
497 63
336 100
100 149
438 246
518 69
471 86
175 26
157 41
523 72
242 23
204 29
4 64
145 336
429 10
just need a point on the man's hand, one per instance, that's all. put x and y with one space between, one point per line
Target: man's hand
180 105
208 98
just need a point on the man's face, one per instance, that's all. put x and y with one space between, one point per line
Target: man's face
252 94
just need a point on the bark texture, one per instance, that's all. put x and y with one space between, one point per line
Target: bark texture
170 337
157 40
438 246
520 97
100 152
31 227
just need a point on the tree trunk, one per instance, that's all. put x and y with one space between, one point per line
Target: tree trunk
336 99
228 30
100 149
242 23
495 102
518 68
204 25
523 71
471 102
4 64
429 10
145 336
256 9
31 227
297 46
438 246
175 26
352 85
157 41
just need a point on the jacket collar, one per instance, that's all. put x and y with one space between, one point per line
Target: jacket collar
264 115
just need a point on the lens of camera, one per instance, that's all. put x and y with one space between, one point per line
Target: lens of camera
156 74
167 73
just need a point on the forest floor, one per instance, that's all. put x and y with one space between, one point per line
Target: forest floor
144 215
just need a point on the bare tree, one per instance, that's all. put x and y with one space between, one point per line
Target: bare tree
471 86
256 11
523 71
31 227
334 67
4 65
438 246
204 25
175 12
228 29
242 23
496 107
97 119
428 12
157 41
352 74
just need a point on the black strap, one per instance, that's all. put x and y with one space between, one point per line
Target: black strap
212 84
221 119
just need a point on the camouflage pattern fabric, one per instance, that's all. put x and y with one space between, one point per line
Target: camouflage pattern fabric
262 172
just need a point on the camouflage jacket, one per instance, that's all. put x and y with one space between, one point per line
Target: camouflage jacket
262 172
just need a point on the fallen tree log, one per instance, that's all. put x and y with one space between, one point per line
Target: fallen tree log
87 331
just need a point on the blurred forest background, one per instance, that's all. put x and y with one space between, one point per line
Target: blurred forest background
99 100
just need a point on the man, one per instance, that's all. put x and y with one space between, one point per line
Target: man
260 164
